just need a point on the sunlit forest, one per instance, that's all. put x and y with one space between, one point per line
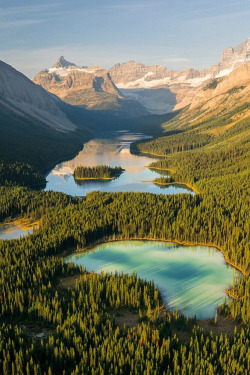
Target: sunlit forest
97 172
56 318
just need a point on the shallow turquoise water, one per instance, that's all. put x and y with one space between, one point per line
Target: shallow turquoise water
111 151
190 278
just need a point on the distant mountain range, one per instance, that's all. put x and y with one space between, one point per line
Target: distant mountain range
217 119
133 87
219 109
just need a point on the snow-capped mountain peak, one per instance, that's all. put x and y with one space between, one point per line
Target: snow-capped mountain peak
62 63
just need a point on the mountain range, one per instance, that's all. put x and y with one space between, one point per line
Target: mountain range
42 125
141 88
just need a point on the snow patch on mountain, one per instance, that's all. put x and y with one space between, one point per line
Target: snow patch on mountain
146 84
63 72
142 83
195 82
224 73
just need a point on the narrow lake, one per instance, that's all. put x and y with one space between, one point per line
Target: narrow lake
12 232
113 150
190 278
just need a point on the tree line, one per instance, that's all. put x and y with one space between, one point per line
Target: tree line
83 336
99 171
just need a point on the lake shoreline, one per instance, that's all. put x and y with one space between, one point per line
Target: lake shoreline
103 243
175 183
171 183
94 178
184 243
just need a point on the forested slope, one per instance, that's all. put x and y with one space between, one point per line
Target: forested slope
78 333
83 338
214 158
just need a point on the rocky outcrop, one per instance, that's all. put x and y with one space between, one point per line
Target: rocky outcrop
62 63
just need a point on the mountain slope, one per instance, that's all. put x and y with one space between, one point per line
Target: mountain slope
225 98
19 94
218 115
34 126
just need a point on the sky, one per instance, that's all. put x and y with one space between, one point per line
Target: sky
176 33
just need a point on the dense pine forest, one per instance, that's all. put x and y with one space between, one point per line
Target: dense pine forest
20 174
97 172
163 180
75 324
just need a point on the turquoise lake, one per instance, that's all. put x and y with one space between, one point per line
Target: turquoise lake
190 278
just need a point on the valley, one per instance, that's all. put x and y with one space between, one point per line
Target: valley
144 272
113 149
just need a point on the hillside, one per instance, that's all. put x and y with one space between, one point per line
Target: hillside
219 114
34 125
211 152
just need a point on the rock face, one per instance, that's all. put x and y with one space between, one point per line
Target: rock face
136 75
62 63
154 88
23 97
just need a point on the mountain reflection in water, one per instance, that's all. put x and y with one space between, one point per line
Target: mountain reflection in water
111 151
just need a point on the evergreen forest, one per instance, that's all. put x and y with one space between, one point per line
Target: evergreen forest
97 172
73 312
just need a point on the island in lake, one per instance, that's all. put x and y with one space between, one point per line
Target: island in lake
99 172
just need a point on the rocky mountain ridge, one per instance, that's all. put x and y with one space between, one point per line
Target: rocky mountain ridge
154 88
90 87
161 90
237 83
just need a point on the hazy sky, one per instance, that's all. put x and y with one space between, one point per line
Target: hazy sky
175 33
